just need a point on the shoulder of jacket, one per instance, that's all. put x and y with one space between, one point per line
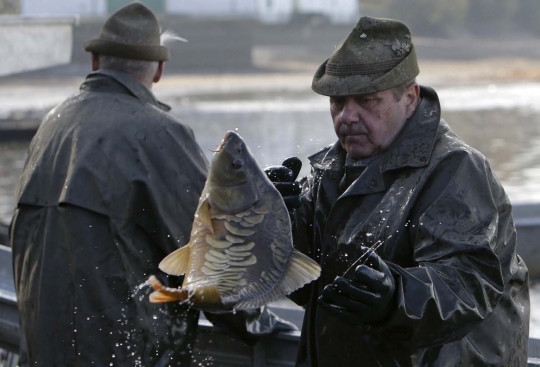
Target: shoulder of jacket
318 156
449 144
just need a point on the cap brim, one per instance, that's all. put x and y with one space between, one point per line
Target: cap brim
128 51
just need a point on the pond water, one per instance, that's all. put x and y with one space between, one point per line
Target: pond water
509 138
502 122
12 157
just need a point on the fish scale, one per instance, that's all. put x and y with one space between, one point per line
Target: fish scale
240 254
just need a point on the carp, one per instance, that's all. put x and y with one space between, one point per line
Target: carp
240 254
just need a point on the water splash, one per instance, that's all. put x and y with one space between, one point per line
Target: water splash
139 288
363 258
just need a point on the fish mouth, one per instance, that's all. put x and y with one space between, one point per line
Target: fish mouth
220 146
229 162
229 135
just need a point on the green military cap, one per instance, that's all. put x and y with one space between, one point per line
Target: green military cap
378 54
132 32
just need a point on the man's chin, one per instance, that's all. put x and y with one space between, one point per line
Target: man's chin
358 153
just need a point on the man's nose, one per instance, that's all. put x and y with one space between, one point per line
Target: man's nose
349 114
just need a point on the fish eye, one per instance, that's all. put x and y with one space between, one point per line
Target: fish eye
237 163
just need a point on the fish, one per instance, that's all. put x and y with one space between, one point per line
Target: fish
240 255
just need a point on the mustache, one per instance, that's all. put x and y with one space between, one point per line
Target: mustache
353 129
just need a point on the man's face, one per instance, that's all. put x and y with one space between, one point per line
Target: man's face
367 124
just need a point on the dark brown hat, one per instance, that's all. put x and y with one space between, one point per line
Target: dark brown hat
378 54
132 32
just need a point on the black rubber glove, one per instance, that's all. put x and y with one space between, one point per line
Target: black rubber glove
250 326
284 179
366 298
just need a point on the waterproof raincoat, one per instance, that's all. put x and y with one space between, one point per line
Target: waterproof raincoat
447 234
110 187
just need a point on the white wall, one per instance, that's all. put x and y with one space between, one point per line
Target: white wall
271 11
275 11
34 43
213 8
64 7
337 11
280 11
342 11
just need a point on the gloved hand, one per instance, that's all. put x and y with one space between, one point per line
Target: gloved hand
365 298
250 326
284 179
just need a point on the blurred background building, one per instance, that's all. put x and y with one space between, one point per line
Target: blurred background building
272 11
440 17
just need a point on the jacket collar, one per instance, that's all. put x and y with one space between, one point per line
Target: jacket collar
412 148
132 85
414 145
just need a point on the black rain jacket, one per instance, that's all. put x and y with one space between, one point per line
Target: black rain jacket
447 233
110 187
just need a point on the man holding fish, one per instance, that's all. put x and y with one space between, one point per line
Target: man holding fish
413 231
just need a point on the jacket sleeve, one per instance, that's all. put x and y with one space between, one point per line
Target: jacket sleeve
166 191
454 233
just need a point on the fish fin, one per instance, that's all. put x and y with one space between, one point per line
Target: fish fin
299 271
177 262
163 294
204 215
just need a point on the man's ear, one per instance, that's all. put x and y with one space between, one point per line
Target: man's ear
159 72
412 94
95 61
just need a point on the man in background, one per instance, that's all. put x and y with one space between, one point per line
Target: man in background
110 187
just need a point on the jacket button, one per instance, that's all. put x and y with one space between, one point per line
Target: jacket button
373 183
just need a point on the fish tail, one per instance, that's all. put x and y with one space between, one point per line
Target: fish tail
164 294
